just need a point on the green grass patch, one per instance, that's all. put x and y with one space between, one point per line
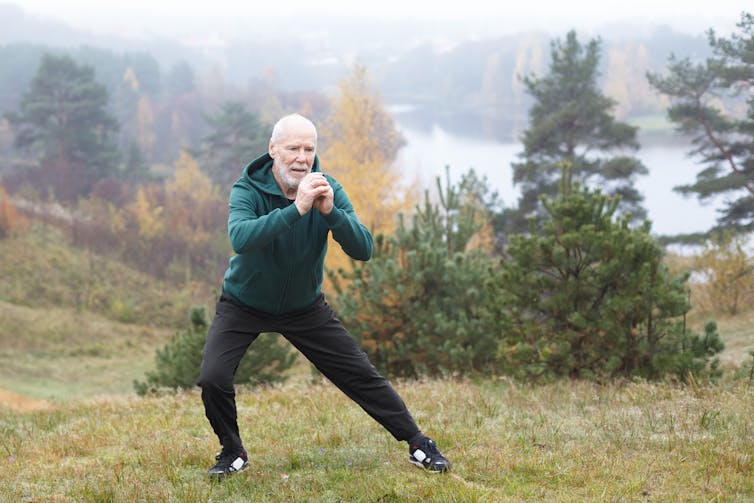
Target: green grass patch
60 353
570 441
739 338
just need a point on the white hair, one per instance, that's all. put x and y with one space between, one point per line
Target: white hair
278 131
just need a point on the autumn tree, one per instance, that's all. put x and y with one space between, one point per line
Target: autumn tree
179 228
711 102
358 145
64 125
195 212
571 122
11 221
727 269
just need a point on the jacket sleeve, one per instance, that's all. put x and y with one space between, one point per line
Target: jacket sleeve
247 228
347 230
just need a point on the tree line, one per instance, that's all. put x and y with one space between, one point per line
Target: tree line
568 283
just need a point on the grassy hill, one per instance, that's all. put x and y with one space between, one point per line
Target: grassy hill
77 324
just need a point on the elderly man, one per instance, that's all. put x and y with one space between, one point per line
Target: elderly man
281 212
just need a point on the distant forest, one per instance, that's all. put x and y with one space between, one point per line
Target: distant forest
160 91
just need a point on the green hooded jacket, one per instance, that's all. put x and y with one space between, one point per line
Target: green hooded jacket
279 263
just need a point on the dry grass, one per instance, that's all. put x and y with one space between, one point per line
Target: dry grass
570 441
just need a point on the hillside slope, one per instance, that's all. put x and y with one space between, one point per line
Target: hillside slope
75 324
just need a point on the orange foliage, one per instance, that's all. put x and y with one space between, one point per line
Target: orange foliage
179 227
11 222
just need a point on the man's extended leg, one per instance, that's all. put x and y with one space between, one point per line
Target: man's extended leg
321 337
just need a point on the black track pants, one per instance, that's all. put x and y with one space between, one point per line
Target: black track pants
319 336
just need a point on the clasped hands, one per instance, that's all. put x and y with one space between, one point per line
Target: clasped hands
314 192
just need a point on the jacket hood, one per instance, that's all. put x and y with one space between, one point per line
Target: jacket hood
259 173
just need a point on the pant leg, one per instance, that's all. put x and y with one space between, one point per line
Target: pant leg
323 339
229 336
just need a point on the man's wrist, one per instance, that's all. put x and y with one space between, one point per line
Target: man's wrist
301 211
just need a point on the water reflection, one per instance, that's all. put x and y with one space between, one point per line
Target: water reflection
430 147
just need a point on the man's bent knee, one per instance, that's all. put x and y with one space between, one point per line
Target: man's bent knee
215 380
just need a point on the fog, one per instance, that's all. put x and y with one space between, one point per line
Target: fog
220 21
313 44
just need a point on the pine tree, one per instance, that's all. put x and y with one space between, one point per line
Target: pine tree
571 122
590 297
705 97
178 362
417 306
63 122
236 137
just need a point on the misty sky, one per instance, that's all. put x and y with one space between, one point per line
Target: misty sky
230 18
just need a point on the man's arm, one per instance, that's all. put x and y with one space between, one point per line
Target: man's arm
347 230
247 229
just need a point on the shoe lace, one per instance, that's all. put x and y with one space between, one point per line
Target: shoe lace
430 449
226 456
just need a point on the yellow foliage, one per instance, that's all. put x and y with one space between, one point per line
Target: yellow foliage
117 220
483 239
147 215
192 202
359 143
129 77
188 179
727 270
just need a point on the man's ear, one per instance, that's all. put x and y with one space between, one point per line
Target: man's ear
271 150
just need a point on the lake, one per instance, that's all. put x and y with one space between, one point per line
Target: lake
429 150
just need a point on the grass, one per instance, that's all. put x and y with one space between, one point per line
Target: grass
569 441
738 334
89 438
68 318
65 353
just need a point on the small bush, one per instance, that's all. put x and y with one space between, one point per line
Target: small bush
178 362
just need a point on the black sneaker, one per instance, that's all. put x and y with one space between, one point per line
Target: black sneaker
424 453
228 463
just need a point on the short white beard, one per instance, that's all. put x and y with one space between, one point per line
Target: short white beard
291 183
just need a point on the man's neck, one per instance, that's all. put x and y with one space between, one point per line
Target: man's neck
289 192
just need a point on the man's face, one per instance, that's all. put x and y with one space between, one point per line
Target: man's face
293 155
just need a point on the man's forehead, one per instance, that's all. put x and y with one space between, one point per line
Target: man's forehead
297 140
298 134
